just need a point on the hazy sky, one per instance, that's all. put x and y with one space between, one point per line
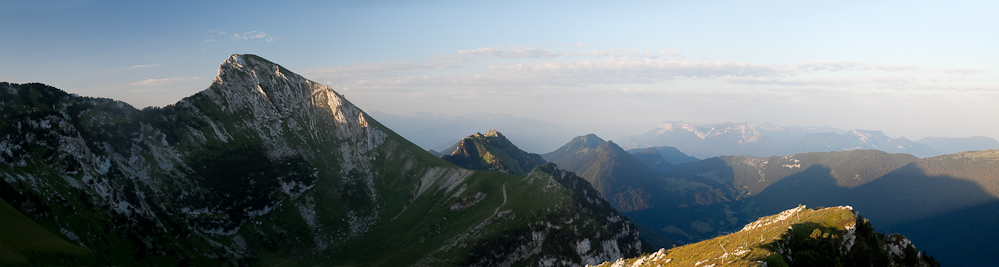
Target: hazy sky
910 68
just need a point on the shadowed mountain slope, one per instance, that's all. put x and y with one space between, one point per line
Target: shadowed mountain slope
267 168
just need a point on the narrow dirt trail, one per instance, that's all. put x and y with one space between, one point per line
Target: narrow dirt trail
504 201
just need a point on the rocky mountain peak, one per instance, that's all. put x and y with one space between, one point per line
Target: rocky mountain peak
494 133
492 152
266 96
270 85
589 141
745 132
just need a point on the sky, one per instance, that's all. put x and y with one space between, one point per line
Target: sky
909 68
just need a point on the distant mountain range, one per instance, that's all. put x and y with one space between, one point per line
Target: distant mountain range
955 145
439 131
710 140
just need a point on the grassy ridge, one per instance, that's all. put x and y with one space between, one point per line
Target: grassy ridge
797 237
980 167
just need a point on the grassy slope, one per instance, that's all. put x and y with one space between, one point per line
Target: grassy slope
411 229
427 228
21 237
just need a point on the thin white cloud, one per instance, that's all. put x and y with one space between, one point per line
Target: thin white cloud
252 35
962 71
215 36
165 81
511 52
143 66
636 53
850 66
532 69
145 91
783 81
375 70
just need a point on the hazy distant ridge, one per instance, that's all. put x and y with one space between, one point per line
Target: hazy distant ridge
710 140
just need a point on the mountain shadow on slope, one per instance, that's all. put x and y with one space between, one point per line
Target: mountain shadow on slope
814 187
907 201
942 234
492 152
905 194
